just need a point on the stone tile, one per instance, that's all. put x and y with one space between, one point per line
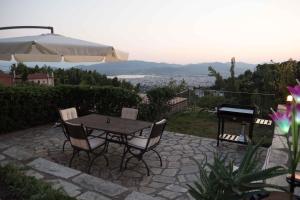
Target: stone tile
156 184
155 170
169 172
93 183
18 153
34 174
181 178
139 196
173 158
91 196
176 188
174 164
191 177
178 151
2 157
52 168
164 179
189 169
69 188
147 190
169 194
3 146
131 173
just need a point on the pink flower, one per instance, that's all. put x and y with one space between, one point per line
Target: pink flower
295 92
283 120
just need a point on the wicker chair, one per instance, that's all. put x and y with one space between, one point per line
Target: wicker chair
127 113
144 145
81 141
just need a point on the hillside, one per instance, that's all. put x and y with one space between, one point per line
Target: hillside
153 68
148 68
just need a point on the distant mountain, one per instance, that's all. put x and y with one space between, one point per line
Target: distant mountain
153 68
147 68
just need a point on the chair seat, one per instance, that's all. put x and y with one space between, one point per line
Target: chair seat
95 142
138 142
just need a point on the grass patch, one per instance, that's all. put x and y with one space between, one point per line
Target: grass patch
205 124
14 185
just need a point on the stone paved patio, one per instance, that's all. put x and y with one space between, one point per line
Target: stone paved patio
179 153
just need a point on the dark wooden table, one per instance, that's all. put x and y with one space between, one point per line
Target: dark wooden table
111 124
116 125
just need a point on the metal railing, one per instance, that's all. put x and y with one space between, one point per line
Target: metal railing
209 99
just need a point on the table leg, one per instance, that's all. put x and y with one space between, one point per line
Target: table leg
251 131
218 134
223 125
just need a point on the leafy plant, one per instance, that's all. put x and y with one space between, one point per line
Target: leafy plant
158 104
19 186
220 180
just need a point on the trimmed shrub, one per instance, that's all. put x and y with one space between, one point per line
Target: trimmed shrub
15 185
158 103
27 106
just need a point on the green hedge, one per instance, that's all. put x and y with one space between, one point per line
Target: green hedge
16 185
23 107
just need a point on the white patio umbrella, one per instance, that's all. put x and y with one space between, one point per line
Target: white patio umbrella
54 48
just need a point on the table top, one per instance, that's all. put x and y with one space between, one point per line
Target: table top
237 110
116 124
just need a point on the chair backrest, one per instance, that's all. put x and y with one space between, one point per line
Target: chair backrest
77 135
129 113
156 132
69 113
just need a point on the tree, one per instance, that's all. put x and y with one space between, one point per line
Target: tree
219 82
232 75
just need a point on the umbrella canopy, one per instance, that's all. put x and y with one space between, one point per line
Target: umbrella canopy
55 48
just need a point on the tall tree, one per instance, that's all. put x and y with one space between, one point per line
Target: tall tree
232 75
219 82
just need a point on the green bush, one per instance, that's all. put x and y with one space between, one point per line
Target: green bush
211 102
27 106
158 103
19 186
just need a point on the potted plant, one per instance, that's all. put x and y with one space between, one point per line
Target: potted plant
288 123
222 180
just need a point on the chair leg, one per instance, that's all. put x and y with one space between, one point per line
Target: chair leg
158 156
97 156
65 142
128 159
106 159
148 171
89 157
106 147
91 163
73 155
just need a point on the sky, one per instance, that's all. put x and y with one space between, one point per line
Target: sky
172 31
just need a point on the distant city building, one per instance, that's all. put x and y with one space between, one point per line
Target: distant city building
41 78
199 92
